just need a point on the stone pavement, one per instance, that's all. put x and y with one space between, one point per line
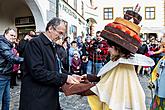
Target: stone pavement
144 83
75 102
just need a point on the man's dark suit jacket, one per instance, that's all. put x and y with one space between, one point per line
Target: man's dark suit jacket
41 79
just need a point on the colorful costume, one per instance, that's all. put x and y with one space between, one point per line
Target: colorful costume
119 87
158 76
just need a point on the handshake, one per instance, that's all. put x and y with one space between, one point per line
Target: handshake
86 78
79 85
75 79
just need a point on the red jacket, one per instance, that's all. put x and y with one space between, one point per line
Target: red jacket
95 56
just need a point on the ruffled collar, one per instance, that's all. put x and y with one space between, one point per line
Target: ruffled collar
138 59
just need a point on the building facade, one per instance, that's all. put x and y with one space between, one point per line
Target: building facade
28 15
152 12
72 13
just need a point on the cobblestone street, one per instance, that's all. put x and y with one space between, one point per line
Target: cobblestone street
75 102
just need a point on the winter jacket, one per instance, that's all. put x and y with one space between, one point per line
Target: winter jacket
7 58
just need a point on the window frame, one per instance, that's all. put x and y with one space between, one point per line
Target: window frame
150 13
107 12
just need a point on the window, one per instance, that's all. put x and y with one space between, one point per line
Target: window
108 13
73 30
75 4
127 8
150 13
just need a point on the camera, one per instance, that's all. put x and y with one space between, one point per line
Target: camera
95 43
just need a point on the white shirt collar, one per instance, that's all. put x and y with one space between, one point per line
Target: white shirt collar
48 38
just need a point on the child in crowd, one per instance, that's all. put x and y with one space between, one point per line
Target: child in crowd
71 52
76 64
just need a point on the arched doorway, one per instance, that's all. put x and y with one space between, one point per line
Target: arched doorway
25 15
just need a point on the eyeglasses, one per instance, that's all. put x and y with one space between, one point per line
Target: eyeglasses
12 35
59 32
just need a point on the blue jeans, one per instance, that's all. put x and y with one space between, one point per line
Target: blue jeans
4 93
90 67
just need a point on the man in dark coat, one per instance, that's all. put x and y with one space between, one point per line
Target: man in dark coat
42 78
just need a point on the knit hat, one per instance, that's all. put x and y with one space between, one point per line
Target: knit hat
125 32
75 52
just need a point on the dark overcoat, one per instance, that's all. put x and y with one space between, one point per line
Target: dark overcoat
41 79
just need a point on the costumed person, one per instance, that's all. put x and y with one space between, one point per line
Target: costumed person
119 87
158 78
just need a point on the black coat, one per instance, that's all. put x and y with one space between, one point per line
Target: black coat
41 79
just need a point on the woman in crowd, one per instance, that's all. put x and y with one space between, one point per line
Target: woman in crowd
158 77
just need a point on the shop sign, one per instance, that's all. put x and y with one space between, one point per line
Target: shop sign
28 20
67 10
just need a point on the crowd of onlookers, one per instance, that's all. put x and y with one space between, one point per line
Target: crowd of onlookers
84 57
151 45
77 56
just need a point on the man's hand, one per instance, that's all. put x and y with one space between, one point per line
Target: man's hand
27 37
79 78
85 78
72 80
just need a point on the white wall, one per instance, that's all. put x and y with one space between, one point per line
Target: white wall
4 23
118 11
39 10
72 18
16 8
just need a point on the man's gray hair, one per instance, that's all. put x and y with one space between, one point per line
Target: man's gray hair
8 29
54 22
